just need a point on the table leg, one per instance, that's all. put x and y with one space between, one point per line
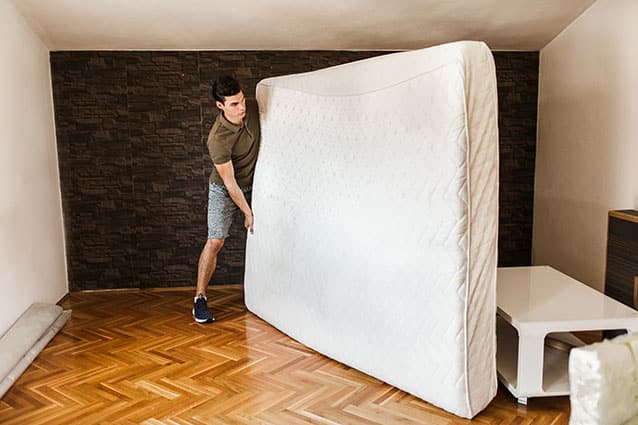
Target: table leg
530 364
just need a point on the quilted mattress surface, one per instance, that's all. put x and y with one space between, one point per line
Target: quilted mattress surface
375 202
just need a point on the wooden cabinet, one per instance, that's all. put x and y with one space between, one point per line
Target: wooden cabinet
621 273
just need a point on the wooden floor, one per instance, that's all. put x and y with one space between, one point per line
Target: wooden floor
138 358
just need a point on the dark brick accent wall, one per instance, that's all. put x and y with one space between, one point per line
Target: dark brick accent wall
517 80
131 131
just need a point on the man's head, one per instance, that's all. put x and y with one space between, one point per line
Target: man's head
229 99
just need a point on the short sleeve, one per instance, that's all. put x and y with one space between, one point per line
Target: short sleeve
220 151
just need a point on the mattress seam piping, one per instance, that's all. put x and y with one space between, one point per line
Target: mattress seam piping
414 77
468 251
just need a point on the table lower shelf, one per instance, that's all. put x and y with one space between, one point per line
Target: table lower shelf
555 362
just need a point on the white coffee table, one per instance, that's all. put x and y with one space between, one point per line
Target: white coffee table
534 302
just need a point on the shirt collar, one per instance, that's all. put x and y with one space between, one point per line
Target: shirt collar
229 125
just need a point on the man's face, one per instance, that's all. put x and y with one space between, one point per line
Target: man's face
234 108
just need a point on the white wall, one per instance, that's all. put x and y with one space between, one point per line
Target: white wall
32 263
587 147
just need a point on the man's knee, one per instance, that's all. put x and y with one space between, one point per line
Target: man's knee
213 246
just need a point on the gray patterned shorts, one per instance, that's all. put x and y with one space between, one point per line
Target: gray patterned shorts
221 210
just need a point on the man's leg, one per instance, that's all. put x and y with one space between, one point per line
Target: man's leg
205 269
220 216
207 263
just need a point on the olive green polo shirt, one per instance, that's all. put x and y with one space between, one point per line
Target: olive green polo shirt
236 143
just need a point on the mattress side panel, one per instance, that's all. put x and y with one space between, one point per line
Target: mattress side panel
482 127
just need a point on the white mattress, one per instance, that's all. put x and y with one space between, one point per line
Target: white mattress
375 202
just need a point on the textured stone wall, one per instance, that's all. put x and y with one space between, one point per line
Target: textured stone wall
517 79
131 132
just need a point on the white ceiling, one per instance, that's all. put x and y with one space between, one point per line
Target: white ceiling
296 24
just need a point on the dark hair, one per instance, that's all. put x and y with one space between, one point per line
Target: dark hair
225 86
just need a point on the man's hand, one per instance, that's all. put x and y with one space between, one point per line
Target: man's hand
249 220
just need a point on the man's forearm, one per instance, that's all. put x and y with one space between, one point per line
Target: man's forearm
227 173
238 198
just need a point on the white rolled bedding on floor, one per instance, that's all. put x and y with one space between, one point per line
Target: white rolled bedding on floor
375 201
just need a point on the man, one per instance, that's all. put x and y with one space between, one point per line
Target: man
233 144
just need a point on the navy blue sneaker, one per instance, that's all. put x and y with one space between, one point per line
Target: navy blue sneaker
200 310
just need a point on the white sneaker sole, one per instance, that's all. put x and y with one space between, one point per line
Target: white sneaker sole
202 320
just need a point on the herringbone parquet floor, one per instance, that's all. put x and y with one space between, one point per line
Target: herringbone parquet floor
138 358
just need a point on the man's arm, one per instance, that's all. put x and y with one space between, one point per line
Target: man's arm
227 173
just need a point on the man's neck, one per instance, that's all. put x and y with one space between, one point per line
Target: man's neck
240 123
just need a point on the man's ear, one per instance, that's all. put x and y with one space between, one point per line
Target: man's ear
219 104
